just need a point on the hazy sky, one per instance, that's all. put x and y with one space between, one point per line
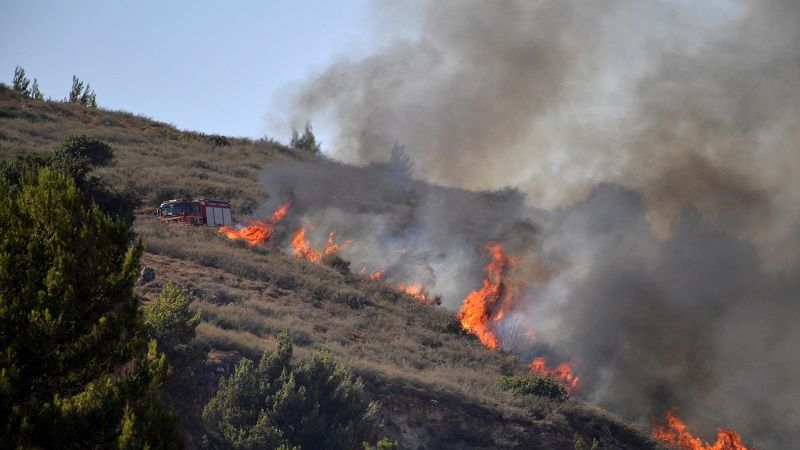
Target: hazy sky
211 66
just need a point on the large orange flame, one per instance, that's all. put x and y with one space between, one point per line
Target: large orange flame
563 373
490 302
259 231
674 434
301 247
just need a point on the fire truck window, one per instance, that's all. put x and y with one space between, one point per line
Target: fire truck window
195 208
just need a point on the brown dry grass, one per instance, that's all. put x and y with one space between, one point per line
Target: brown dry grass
438 388
401 347
154 158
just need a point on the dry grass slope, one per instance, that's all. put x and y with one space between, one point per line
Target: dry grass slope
438 387
156 159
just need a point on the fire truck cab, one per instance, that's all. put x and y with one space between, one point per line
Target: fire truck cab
196 212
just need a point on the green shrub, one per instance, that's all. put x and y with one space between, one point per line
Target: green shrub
76 157
451 325
170 320
350 297
85 148
534 385
315 405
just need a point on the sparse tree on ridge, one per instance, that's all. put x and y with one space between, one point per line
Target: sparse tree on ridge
307 141
75 92
21 82
36 94
82 95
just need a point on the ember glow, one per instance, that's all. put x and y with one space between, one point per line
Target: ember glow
377 275
488 304
416 291
259 231
302 248
674 434
563 373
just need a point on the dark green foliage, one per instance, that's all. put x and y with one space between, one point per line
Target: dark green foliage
452 325
307 141
12 170
315 405
75 91
170 321
85 148
21 82
36 94
80 95
75 368
534 385
76 158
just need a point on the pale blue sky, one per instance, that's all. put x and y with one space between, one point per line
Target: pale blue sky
211 66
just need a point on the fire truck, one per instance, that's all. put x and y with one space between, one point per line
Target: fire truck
196 212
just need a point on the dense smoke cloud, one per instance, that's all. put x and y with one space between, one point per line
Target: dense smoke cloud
661 139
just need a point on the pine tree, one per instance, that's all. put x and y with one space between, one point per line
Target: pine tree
21 82
88 98
307 141
76 370
315 405
36 94
170 320
77 89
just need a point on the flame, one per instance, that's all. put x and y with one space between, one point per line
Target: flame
259 231
416 291
490 302
377 275
563 373
301 247
333 247
674 434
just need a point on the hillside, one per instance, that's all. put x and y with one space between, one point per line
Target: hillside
437 385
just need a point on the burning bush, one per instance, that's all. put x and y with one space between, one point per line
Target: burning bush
534 385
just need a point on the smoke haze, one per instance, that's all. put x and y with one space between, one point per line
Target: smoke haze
655 149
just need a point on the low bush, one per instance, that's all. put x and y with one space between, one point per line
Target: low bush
170 321
273 404
534 385
337 262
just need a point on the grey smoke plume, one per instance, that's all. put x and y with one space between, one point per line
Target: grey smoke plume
663 140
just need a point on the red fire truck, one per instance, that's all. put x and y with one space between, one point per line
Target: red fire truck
196 212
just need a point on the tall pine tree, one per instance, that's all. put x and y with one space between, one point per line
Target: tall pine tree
76 370
21 82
